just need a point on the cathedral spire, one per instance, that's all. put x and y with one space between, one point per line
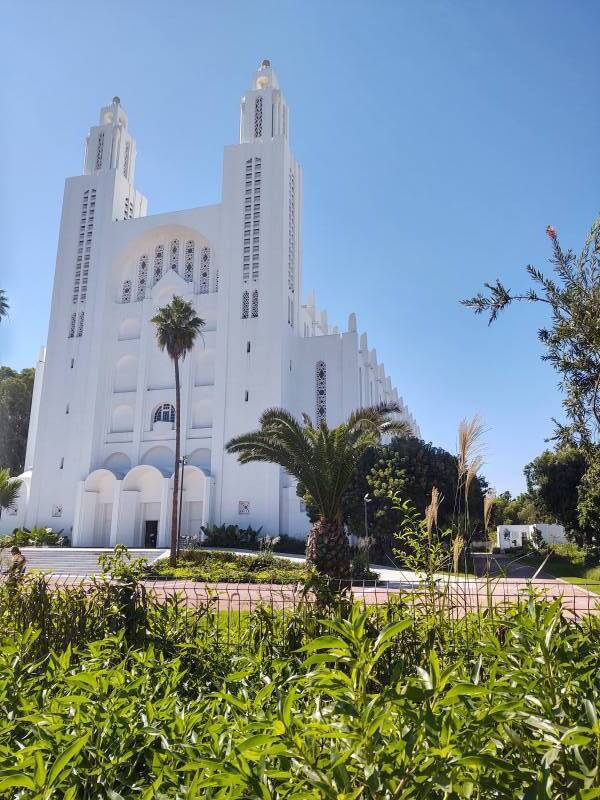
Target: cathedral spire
109 145
264 113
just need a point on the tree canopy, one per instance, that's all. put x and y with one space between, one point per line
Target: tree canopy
572 340
16 389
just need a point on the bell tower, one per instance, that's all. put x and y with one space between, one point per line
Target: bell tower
264 113
109 146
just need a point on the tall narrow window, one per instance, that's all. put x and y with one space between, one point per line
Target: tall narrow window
251 221
188 273
292 232
126 159
126 292
245 305
216 280
142 277
255 303
159 254
174 255
100 150
80 325
205 270
72 326
258 117
320 391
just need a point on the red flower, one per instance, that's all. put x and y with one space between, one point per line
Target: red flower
551 232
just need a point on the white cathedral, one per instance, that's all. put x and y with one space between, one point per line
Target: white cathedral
100 453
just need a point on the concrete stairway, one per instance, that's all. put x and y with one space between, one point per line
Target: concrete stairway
77 560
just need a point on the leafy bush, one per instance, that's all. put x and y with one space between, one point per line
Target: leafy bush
231 536
24 537
353 713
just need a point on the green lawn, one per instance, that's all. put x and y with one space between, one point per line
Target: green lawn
568 562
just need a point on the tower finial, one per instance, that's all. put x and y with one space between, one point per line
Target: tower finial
265 64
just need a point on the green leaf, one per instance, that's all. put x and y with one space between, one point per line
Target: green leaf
16 781
325 643
63 760
252 742
390 631
590 710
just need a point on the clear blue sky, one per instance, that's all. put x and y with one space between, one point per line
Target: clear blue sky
438 139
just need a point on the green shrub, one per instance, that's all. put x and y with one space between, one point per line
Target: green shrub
355 712
24 537
231 536
208 566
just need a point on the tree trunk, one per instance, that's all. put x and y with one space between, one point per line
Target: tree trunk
174 516
327 548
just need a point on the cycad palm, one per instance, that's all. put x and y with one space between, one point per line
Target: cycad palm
177 327
9 489
323 461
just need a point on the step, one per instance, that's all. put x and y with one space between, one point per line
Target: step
77 561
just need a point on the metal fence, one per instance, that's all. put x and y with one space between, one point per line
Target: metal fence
71 608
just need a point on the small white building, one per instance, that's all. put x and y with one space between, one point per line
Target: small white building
100 455
510 536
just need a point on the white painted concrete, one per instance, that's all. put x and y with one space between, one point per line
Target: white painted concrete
101 444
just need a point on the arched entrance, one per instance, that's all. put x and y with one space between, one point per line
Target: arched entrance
96 509
195 500
143 503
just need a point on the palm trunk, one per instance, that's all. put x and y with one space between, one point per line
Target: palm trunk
327 548
174 516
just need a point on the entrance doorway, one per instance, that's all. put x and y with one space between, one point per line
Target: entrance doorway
151 533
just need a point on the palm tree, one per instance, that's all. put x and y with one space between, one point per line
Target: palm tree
177 326
3 304
323 460
9 489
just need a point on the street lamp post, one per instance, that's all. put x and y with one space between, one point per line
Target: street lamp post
367 500
183 461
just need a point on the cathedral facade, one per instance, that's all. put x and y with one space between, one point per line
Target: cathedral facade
100 454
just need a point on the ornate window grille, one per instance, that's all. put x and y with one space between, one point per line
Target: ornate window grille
142 277
126 159
216 280
164 413
255 303
100 150
244 507
251 230
126 292
174 255
205 270
159 253
258 117
80 325
292 233
72 325
188 273
320 391
245 305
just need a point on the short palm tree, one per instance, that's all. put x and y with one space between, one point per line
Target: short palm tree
9 489
177 327
3 304
323 460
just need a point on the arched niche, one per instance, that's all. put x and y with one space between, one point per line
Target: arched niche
160 457
125 378
118 463
147 480
129 329
201 458
122 419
